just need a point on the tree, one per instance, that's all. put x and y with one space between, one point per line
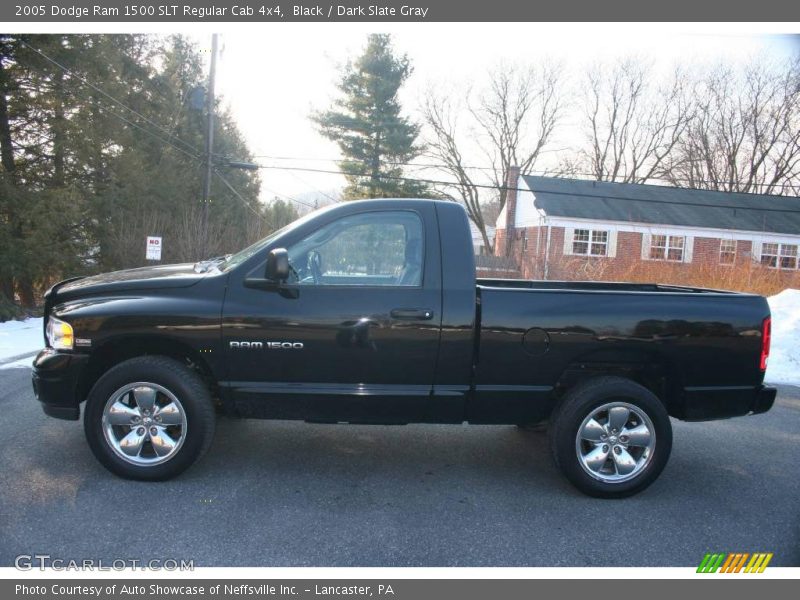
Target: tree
99 149
8 178
633 126
513 120
279 213
41 208
745 136
366 123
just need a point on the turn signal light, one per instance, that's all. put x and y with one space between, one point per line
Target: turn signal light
59 334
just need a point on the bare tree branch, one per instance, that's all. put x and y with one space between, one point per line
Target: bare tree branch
746 134
512 121
632 126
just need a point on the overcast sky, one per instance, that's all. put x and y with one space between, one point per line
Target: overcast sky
272 78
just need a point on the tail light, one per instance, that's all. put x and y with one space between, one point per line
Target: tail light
766 338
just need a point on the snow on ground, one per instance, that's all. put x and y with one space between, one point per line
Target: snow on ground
22 363
784 356
25 337
20 337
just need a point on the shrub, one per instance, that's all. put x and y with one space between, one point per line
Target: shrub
9 310
747 276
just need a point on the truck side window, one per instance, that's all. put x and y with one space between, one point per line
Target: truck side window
368 249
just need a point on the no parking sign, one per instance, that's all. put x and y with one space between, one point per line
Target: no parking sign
153 251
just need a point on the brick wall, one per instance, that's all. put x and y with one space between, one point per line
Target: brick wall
628 263
744 252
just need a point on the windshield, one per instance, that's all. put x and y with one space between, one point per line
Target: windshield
235 260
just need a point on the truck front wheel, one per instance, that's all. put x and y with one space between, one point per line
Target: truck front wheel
611 437
149 418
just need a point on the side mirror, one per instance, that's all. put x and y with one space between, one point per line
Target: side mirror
277 265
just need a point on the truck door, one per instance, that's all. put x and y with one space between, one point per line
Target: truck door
353 335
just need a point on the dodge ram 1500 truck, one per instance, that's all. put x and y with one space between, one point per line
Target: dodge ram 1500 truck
369 312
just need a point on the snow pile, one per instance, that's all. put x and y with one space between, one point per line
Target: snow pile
20 338
784 356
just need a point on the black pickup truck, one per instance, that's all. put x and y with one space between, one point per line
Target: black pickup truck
370 312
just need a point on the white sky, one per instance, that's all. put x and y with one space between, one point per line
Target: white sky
272 77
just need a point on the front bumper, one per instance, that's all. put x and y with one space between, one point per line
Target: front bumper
55 380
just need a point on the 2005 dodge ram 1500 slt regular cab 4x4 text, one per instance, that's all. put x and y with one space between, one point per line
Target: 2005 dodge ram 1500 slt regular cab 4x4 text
370 312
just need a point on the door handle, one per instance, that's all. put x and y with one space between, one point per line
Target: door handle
412 314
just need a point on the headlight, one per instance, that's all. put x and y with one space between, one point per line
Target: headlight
59 334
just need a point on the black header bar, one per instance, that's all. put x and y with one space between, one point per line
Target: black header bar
387 11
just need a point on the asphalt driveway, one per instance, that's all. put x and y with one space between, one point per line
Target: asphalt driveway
295 494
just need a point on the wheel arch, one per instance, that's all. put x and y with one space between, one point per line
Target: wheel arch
652 370
119 349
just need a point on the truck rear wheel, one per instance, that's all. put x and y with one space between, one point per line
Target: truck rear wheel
149 418
611 437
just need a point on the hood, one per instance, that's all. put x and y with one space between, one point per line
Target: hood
161 276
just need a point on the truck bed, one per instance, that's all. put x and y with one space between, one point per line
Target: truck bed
700 347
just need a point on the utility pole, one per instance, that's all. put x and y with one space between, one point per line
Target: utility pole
209 144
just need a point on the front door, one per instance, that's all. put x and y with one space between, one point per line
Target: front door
353 335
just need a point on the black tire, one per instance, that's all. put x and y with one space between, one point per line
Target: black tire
184 384
577 404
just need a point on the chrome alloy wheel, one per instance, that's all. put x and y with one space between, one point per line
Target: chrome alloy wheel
144 424
615 442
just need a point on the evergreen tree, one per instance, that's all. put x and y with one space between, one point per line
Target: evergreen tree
279 213
84 179
367 124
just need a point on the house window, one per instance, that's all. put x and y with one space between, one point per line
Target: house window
727 252
590 242
788 256
667 247
783 256
769 255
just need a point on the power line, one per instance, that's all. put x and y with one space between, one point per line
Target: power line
194 154
558 193
96 101
168 142
400 178
155 135
170 136
304 182
239 196
289 198
88 83
392 163
541 172
319 191
141 128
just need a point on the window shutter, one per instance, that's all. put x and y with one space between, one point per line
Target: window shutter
612 244
688 249
646 237
569 235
